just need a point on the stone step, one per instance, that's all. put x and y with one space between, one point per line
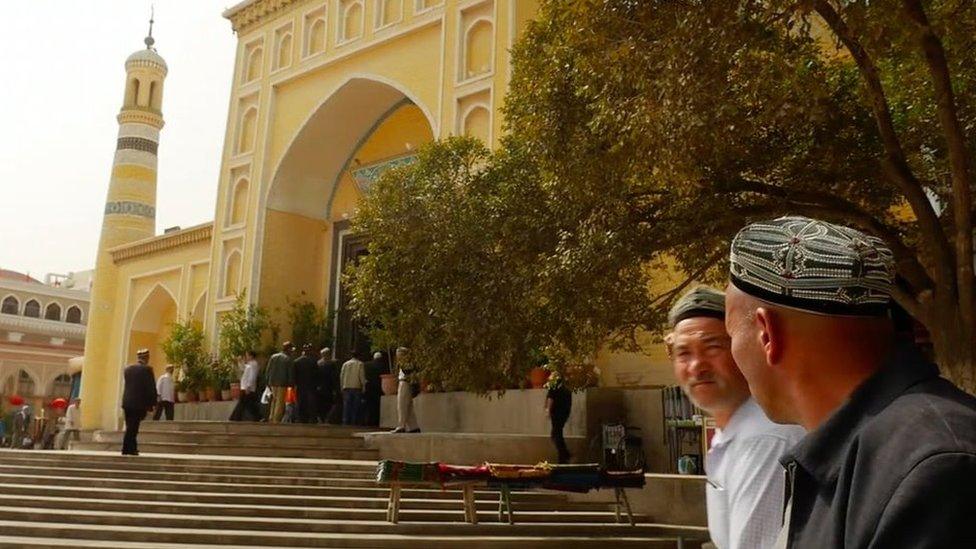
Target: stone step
20 542
26 514
245 441
368 491
232 450
409 501
335 478
557 514
58 533
188 463
251 427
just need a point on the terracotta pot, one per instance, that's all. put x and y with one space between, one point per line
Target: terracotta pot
389 384
208 394
191 396
225 394
538 377
181 396
235 391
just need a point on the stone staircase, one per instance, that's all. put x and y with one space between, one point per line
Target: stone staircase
239 438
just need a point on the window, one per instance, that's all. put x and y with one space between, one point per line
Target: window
10 305
61 387
53 312
25 384
32 309
73 315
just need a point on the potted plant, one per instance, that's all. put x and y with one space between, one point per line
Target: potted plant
241 331
539 373
383 341
184 348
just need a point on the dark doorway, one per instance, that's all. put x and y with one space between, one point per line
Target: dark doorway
350 332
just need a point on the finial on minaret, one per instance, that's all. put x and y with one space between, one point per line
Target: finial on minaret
149 39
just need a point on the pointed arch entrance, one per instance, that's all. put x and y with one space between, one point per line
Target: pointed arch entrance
151 325
366 126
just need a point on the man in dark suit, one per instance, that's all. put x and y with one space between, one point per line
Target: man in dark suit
306 374
138 398
328 387
373 391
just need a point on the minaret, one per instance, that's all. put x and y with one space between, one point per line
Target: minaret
130 215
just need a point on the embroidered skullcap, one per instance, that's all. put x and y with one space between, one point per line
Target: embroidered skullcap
813 266
142 352
701 301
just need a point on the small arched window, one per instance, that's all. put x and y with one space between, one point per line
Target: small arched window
352 20
53 312
10 305
477 49
32 309
253 71
25 384
61 387
316 37
238 210
284 51
73 315
248 129
232 274
477 123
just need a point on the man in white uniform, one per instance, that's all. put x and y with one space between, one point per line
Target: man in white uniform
166 390
745 479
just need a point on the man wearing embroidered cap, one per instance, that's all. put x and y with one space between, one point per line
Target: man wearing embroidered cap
890 459
745 489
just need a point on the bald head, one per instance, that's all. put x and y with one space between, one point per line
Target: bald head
797 363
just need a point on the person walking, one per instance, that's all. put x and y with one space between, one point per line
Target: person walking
559 404
890 458
744 494
306 374
72 424
328 386
138 397
373 389
281 375
406 414
166 393
21 428
248 403
352 378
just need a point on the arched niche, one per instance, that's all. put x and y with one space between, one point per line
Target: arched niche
351 23
315 42
248 129
283 58
478 48
477 123
232 274
52 312
10 306
238 203
73 315
32 309
151 325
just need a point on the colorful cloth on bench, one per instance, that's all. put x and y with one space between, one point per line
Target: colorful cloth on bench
503 471
401 471
463 473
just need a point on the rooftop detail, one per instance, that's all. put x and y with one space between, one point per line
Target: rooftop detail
163 242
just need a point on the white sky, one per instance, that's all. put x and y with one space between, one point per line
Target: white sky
60 90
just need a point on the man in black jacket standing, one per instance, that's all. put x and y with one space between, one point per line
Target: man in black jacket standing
138 398
890 458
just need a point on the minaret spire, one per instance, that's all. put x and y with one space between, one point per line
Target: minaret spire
149 37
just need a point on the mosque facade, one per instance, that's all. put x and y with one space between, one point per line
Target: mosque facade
326 95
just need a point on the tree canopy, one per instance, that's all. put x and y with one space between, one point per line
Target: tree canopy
643 133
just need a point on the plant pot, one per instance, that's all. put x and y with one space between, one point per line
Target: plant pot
181 396
191 396
389 384
225 394
235 391
538 377
208 394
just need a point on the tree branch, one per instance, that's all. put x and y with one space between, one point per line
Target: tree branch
962 202
894 165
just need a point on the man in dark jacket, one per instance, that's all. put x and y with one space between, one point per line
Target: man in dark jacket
328 385
281 376
890 458
138 398
306 374
373 392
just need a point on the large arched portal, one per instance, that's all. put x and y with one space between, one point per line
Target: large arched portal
362 129
150 326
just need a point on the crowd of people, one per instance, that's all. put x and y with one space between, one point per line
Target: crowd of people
49 430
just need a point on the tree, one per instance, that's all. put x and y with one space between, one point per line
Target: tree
309 323
690 119
241 329
184 347
645 134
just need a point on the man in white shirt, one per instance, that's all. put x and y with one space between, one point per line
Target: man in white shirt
167 395
352 379
745 479
72 424
248 402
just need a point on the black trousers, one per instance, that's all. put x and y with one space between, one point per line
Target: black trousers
371 402
308 409
248 404
558 422
326 402
133 417
163 406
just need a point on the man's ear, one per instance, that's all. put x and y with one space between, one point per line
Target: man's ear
770 333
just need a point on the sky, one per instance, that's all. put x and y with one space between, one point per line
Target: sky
61 87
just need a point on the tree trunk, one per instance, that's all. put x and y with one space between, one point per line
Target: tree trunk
955 351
